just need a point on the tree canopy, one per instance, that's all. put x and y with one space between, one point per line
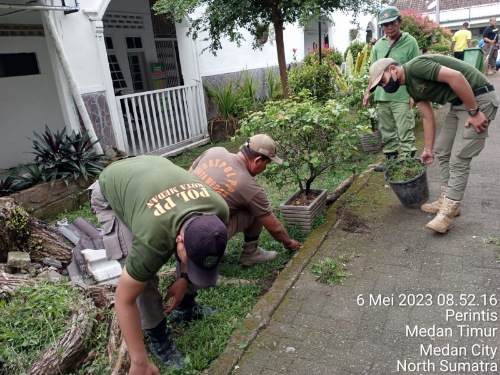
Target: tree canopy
227 18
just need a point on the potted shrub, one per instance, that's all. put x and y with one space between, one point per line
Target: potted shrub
352 87
408 179
311 137
227 99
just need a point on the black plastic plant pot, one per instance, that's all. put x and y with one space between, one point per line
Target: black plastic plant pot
411 193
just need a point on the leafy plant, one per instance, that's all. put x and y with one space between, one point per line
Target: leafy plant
61 156
310 136
355 49
330 55
405 169
426 31
247 89
226 98
317 79
7 186
330 271
27 175
273 82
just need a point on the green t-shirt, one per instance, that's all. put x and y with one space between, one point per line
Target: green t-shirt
153 197
421 78
405 50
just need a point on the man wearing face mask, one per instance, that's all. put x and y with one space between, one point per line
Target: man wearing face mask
443 79
396 120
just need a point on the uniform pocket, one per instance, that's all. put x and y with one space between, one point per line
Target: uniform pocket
472 142
111 239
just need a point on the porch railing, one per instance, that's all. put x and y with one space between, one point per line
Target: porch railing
161 121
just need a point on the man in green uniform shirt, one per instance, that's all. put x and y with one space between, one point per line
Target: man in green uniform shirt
442 79
396 120
149 210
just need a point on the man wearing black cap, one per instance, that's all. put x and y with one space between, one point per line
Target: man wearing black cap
232 176
395 116
149 210
443 79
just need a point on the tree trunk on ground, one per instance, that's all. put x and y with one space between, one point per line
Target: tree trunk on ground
21 232
65 352
341 189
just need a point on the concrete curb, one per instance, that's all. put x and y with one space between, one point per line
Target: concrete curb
263 311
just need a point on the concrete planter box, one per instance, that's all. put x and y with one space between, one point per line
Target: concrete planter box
372 143
303 216
44 201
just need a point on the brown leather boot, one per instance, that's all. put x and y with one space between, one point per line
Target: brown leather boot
434 207
444 219
253 254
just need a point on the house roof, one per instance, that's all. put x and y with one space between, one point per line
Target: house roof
420 5
453 12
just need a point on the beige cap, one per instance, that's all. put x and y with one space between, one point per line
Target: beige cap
264 145
377 71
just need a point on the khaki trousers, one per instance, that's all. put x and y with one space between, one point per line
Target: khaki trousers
456 145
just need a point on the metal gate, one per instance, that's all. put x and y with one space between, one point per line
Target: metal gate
162 121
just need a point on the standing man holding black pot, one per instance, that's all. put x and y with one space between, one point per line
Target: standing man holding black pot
443 79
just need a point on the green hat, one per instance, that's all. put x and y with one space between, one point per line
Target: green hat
388 14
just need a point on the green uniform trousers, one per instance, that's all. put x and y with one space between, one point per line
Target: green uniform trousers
396 123
456 145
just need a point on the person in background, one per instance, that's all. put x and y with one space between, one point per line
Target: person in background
233 177
443 79
490 46
461 40
396 120
151 210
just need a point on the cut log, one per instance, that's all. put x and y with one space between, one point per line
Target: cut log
21 232
341 189
64 354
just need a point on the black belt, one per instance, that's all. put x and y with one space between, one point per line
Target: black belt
477 92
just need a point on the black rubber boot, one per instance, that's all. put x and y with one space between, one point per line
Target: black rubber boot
163 346
189 310
390 156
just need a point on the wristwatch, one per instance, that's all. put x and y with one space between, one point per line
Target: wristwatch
474 111
184 276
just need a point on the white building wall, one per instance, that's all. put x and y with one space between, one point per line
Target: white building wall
27 103
232 58
339 37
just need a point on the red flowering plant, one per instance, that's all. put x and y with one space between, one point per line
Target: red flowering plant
429 35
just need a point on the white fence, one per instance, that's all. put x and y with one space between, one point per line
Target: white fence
162 121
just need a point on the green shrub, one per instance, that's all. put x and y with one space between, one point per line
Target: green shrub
330 55
311 137
355 47
317 79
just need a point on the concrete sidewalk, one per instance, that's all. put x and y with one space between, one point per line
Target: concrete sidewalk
416 302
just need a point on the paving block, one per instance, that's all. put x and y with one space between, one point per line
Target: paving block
99 266
18 259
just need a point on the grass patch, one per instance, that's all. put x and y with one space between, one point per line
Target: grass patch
494 240
405 169
32 319
332 270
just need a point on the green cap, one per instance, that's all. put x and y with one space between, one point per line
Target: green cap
388 14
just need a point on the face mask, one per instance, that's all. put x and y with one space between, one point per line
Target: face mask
392 86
